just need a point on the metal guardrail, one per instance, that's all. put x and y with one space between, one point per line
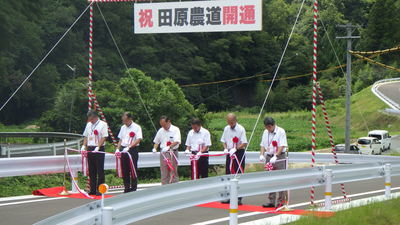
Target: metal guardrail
135 206
39 148
21 166
383 97
41 135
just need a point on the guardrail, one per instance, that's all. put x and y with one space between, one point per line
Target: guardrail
39 148
135 206
55 164
383 97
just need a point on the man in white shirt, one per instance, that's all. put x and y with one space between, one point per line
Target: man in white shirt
273 149
168 138
129 136
234 141
95 135
198 141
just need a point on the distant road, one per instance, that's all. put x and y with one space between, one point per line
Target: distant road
391 90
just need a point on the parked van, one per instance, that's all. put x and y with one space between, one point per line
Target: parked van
369 146
383 138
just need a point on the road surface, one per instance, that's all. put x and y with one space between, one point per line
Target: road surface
391 90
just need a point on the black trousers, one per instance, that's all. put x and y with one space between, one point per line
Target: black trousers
240 155
202 166
129 182
96 168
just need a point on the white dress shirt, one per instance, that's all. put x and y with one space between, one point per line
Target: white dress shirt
229 133
196 140
173 134
124 134
101 128
278 135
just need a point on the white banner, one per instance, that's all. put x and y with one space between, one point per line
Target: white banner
198 16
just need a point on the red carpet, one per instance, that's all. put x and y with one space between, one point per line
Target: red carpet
255 208
54 192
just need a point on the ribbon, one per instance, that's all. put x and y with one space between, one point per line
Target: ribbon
235 140
269 166
118 165
231 167
85 165
171 168
131 136
195 164
96 136
132 166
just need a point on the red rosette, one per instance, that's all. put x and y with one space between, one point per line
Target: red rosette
169 143
235 140
132 134
95 132
274 143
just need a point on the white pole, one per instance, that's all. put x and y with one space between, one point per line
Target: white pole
106 217
388 183
74 176
233 209
328 189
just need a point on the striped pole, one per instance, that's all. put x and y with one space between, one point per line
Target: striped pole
90 57
314 95
329 130
233 207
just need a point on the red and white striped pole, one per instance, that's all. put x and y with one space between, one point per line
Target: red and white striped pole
314 95
90 57
329 130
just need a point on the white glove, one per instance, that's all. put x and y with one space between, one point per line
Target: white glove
154 150
187 152
199 153
226 150
273 159
126 149
116 150
165 149
262 158
96 149
83 148
232 151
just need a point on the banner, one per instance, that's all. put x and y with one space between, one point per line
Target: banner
198 16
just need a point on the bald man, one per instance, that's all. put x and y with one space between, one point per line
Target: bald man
234 141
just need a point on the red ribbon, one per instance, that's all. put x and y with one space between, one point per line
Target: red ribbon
231 167
118 165
194 159
96 133
269 166
235 140
131 136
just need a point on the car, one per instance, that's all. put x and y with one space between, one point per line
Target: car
383 137
340 148
369 146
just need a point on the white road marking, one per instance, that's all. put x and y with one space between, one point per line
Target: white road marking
22 197
291 206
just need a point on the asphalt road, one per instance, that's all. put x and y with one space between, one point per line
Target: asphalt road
391 90
27 211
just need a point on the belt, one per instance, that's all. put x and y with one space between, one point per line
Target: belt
271 155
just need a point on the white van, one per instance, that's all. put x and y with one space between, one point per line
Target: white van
383 138
369 146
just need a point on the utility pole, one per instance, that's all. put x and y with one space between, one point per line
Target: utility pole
349 28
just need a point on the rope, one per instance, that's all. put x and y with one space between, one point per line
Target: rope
90 79
47 54
377 51
270 87
314 95
375 62
329 130
224 81
126 67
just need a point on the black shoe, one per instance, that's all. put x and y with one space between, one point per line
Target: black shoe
98 194
226 202
92 193
269 205
127 190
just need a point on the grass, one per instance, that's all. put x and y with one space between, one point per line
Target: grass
380 213
366 115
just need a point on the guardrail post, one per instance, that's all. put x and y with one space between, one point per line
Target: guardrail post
106 217
388 183
328 189
233 208
8 151
74 176
54 148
